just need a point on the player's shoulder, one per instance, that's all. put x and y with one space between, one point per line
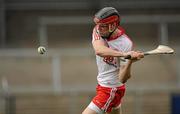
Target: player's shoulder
95 34
126 42
126 39
124 36
95 30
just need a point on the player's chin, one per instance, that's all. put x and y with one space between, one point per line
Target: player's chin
104 35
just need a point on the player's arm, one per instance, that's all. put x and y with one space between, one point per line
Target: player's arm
125 70
102 50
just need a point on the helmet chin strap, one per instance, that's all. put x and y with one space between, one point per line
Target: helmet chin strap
110 33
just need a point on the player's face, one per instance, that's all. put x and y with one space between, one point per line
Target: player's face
106 29
103 29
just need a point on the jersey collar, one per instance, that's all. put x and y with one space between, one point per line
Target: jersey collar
117 34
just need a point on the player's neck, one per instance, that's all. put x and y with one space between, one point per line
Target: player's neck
115 34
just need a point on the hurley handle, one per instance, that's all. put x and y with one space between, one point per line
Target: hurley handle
128 57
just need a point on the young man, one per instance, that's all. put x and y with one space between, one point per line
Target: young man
110 44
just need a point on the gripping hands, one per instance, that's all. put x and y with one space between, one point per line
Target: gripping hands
134 55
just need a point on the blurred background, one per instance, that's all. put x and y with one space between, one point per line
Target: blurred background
63 80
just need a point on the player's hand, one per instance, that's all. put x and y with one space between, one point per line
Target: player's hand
135 55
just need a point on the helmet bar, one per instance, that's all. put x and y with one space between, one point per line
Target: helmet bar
106 20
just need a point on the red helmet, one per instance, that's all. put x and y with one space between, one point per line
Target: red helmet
107 15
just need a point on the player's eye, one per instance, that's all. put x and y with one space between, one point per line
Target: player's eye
103 26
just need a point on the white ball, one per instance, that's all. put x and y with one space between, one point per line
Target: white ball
41 50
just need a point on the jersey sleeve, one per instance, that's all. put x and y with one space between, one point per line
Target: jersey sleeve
129 44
